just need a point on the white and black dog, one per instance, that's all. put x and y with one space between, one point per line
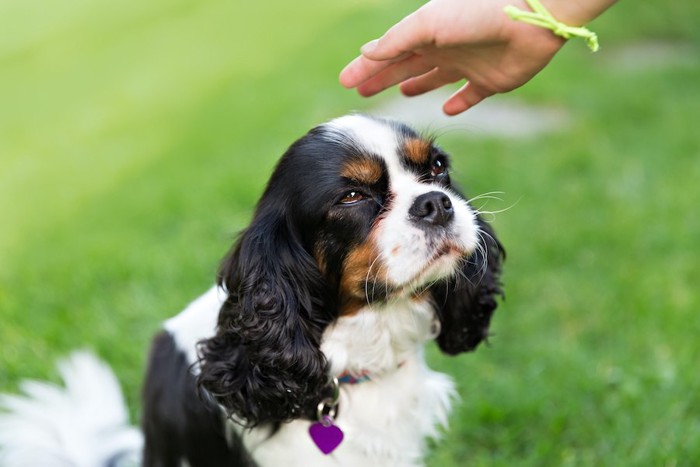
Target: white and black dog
309 351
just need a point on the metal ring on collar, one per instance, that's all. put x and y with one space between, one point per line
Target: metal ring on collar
326 410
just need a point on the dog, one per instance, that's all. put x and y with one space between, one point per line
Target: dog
309 350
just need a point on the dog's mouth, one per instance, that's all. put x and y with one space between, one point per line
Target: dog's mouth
440 265
446 248
440 259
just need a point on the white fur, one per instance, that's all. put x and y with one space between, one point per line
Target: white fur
84 424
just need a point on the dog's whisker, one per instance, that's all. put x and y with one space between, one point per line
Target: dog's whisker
490 195
492 213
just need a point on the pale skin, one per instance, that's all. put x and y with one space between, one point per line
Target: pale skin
446 41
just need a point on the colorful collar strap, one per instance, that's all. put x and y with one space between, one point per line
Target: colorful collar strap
348 378
541 17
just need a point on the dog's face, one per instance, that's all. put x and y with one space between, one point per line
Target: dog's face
359 212
386 220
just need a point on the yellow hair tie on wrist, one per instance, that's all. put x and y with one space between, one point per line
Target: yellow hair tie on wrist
544 19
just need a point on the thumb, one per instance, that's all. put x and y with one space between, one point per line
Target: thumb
405 36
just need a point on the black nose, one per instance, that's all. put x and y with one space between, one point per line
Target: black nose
434 208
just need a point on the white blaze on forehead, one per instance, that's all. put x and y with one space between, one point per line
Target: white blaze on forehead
378 138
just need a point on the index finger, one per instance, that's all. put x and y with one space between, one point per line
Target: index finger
362 69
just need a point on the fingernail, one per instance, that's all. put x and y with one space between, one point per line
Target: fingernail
369 47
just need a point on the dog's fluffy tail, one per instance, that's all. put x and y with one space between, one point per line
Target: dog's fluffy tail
84 424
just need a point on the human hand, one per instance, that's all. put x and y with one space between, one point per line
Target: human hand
446 41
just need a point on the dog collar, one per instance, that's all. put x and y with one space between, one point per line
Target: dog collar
348 378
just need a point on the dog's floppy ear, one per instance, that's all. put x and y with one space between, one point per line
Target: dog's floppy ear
265 364
466 302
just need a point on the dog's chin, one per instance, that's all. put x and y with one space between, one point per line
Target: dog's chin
441 265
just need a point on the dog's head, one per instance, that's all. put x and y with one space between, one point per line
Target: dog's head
358 212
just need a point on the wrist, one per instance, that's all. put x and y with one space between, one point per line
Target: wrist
576 12
541 17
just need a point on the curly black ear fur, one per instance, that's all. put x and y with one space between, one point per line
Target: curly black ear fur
265 364
466 302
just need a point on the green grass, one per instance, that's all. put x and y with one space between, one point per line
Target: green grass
135 139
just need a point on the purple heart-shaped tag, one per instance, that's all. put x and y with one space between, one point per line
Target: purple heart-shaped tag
326 435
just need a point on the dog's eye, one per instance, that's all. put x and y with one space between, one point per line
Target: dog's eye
439 166
352 197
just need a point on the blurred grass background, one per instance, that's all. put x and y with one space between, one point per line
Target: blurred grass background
135 138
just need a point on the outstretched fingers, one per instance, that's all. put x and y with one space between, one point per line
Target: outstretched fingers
394 74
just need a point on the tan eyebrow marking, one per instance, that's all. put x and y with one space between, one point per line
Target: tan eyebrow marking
417 150
364 171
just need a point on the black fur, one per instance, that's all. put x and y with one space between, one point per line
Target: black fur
177 424
264 365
